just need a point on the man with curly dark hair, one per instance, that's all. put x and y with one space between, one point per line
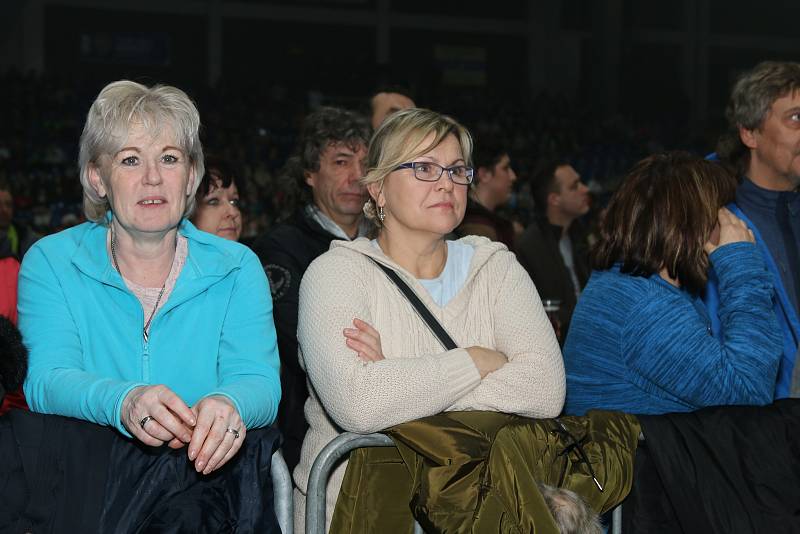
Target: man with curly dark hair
322 178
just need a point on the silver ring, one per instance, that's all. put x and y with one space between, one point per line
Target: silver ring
145 420
234 431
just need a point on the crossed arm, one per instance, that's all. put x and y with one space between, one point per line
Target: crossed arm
364 391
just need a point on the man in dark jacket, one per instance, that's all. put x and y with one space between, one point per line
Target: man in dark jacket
763 145
491 189
553 249
323 178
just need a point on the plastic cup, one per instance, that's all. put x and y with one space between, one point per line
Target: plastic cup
552 308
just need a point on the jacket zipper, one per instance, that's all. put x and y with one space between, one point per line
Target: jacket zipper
145 353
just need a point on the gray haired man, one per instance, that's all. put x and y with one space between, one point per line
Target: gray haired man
763 146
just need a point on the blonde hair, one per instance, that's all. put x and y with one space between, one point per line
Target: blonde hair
118 106
401 138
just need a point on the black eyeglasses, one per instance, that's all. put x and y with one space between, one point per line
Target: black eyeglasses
427 171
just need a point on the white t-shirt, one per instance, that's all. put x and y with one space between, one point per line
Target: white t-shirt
445 286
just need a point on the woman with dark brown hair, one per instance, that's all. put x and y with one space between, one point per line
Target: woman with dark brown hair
217 208
640 339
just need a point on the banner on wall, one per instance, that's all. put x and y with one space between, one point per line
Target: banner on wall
461 65
134 48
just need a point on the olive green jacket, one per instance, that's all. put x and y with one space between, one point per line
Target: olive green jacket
474 472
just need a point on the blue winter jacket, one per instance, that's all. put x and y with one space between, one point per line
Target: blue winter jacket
83 328
784 311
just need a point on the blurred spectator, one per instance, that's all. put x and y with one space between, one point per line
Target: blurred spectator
387 100
9 271
491 188
13 366
256 124
217 209
322 182
11 370
553 249
15 237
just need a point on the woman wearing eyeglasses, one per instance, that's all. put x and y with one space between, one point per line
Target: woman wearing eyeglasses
372 361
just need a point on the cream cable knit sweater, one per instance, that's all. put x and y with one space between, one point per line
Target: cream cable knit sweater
498 308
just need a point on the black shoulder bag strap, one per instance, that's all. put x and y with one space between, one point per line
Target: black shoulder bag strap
422 310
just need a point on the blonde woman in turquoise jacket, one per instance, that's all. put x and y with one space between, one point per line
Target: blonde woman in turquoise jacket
136 319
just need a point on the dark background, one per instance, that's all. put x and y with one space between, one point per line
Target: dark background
605 80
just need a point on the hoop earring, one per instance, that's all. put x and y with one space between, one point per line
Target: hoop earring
381 214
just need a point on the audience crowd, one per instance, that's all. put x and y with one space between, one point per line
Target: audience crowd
488 282
255 128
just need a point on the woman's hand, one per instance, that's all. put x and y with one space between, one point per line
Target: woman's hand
365 340
731 229
487 360
165 416
218 435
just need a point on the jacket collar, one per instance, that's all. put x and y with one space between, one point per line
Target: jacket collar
302 220
209 257
750 194
552 230
476 208
780 291
327 224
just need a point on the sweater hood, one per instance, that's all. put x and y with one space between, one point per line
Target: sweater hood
485 250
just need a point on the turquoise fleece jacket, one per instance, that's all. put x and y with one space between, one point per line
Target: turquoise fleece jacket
83 328
640 345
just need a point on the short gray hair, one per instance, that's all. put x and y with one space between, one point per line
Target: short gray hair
751 98
121 104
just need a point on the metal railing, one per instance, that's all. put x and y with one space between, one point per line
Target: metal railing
282 490
341 445
326 460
